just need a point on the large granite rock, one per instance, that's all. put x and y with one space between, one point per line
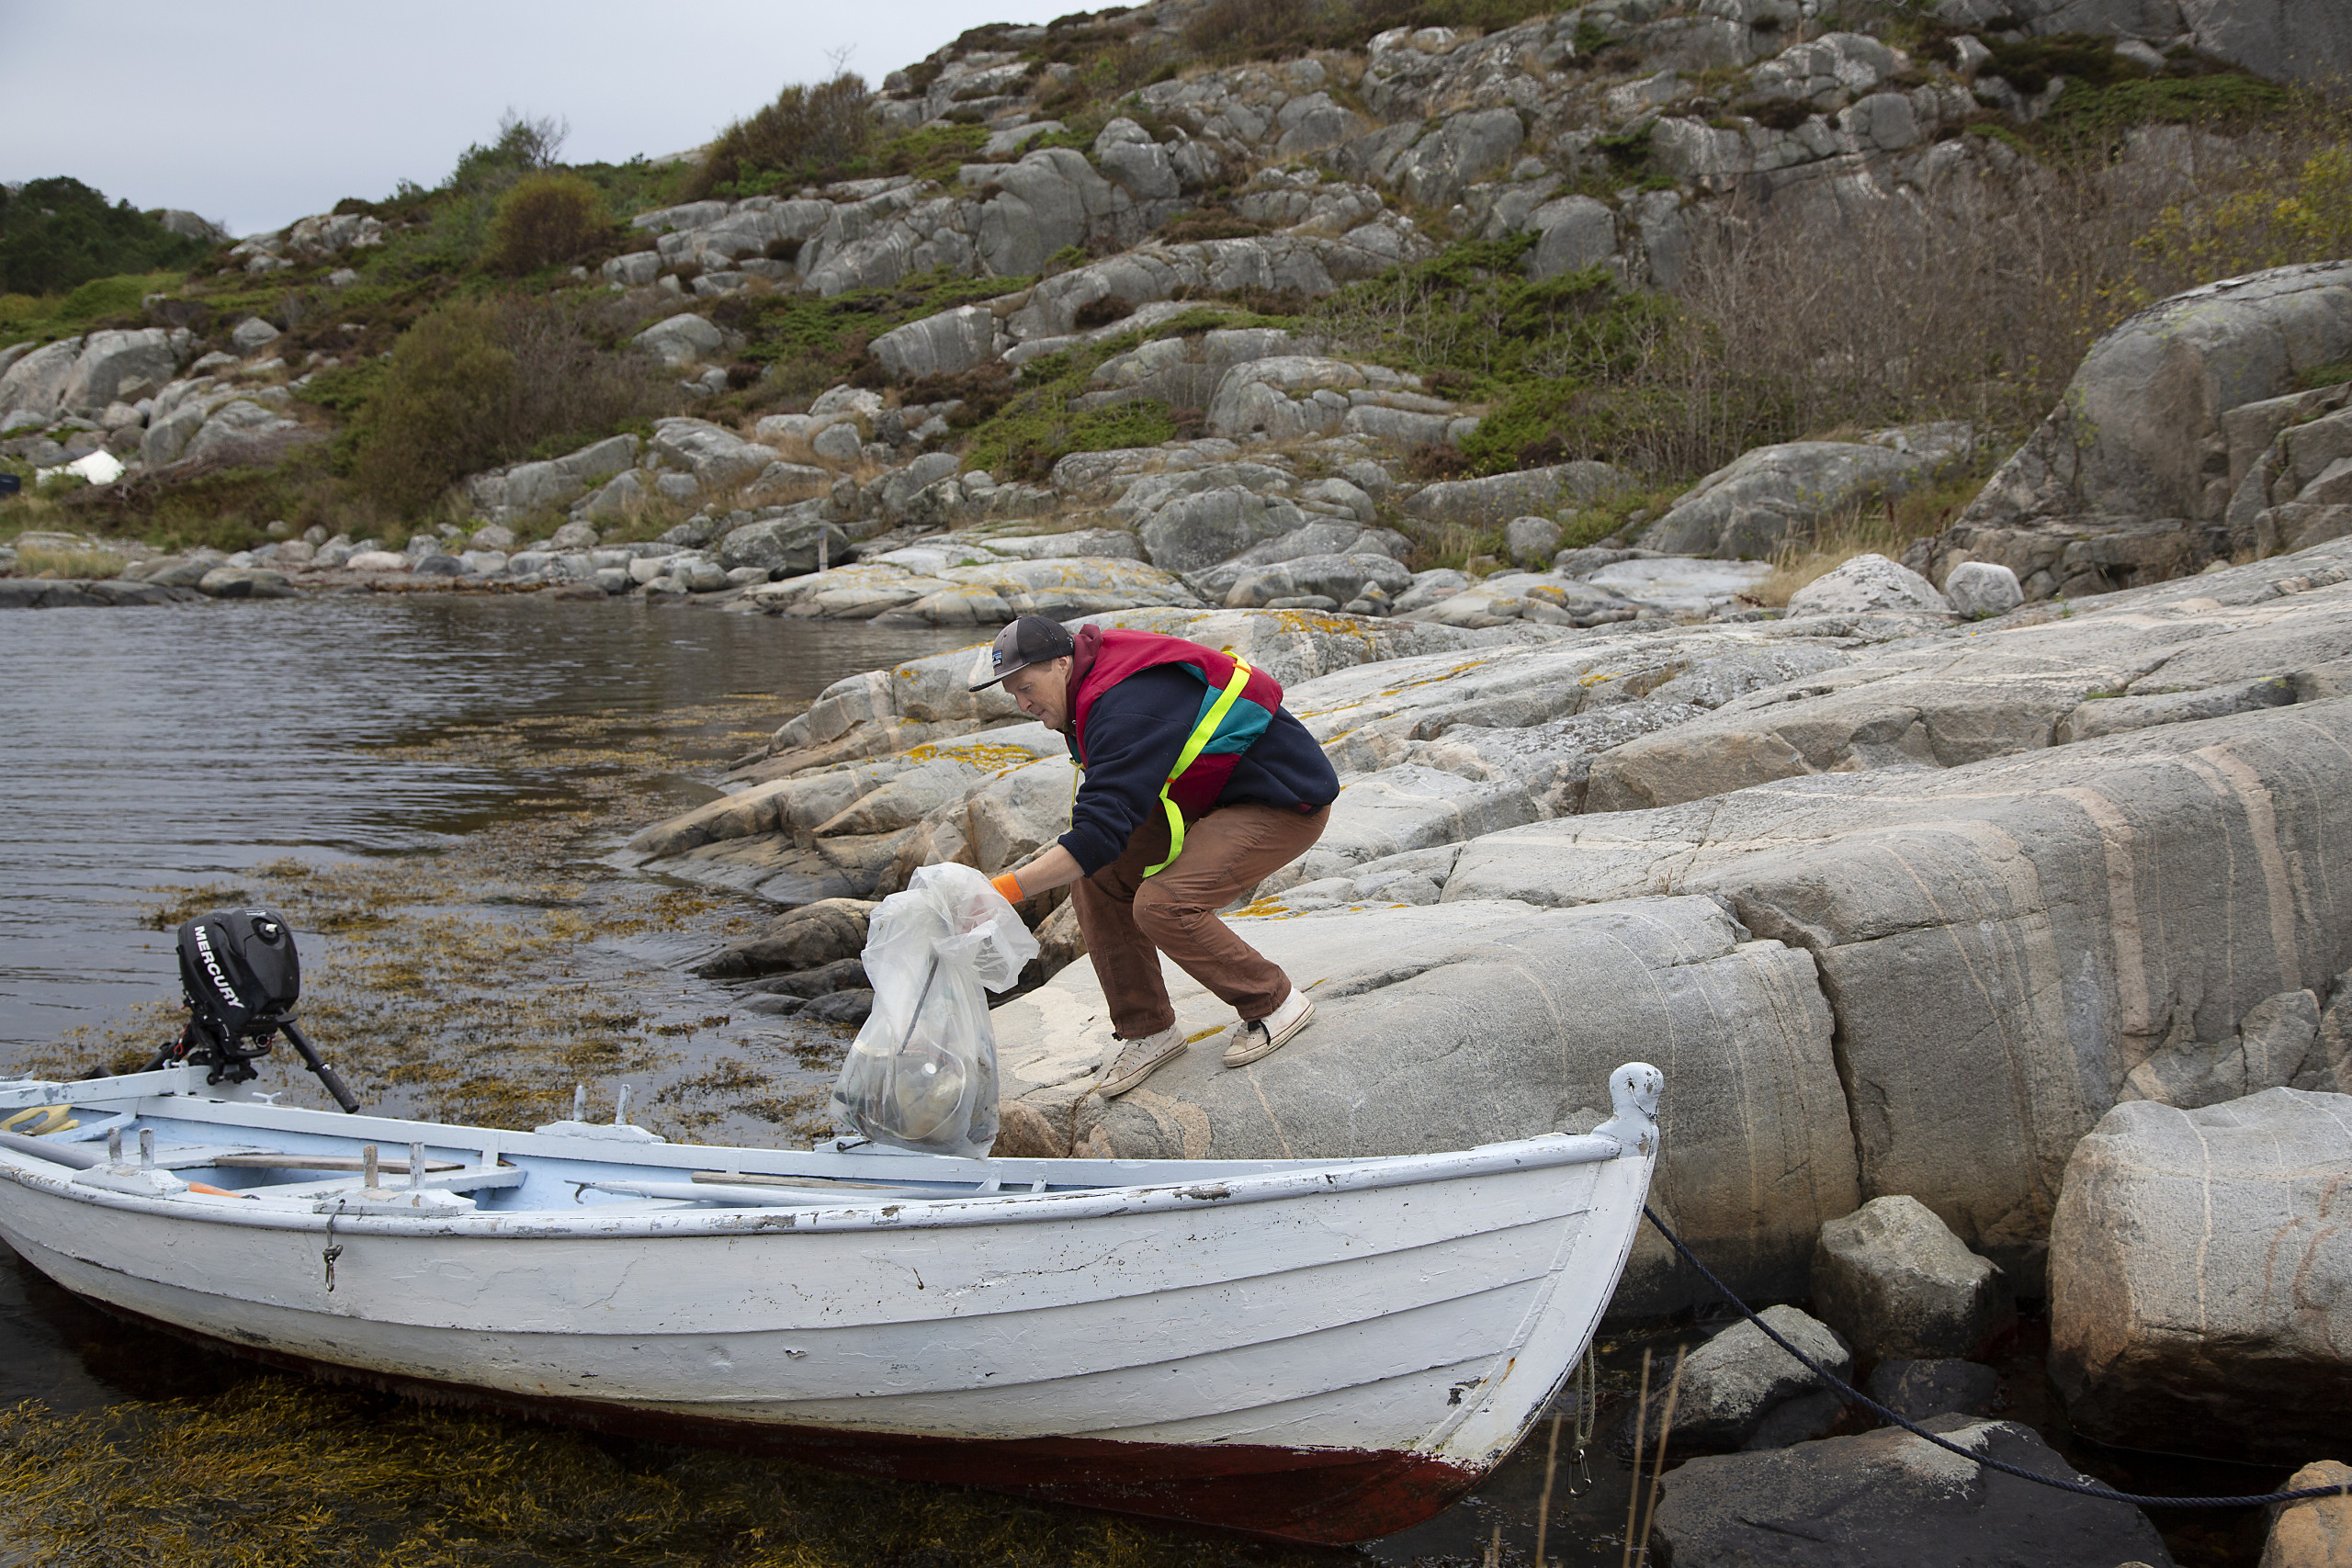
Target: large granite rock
122 367
2001 913
1892 1279
942 344
1747 509
36 383
681 340
1889 1499
1442 1027
2316 1532
2201 1277
1938 704
2130 479
1488 503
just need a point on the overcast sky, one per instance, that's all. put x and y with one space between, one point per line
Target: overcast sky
258 112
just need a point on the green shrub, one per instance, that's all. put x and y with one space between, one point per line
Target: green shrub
479 383
56 234
114 296
806 134
440 409
546 219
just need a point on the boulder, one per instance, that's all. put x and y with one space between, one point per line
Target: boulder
1448 1026
1737 1379
1746 510
1866 584
245 582
1532 541
2117 485
2200 1294
243 432
1484 503
1895 1281
1982 589
945 344
2316 1532
808 938
680 339
1191 532
376 560
1338 578
1889 1498
36 383
252 335
1572 233
718 459
120 366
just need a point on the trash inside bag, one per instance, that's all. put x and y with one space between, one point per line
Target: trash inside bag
923 1073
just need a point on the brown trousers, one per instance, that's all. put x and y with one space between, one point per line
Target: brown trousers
1130 919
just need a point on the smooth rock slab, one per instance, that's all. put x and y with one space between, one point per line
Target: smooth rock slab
2201 1277
2053 920
1448 1026
1682 585
1888 1499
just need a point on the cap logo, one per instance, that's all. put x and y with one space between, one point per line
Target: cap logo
995 659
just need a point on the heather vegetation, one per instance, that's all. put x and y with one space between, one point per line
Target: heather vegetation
474 329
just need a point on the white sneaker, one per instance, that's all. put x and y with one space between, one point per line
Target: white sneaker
1254 1038
1138 1059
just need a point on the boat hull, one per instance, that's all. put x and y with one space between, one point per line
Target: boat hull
1323 1497
1322 1352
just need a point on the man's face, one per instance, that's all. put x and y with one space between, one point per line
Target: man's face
1042 691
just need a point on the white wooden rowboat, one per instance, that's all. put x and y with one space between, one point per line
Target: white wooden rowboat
1323 1350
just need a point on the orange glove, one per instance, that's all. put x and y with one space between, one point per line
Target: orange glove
1010 886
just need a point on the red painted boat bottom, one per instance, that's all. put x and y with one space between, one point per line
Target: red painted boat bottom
1324 1496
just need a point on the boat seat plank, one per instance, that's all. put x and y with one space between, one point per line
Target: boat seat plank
279 1160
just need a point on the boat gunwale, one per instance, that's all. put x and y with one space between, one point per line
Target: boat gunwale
888 1212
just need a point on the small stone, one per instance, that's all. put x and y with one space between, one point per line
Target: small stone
1940 1387
1979 589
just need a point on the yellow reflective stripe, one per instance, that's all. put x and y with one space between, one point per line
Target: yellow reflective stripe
1201 734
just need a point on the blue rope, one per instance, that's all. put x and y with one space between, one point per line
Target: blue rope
1856 1397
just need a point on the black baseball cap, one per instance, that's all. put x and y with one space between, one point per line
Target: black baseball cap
1032 639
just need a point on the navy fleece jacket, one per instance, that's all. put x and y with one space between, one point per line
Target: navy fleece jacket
1136 731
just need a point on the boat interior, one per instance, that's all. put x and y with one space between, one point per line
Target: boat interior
247 1150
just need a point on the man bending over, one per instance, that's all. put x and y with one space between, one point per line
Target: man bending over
1197 783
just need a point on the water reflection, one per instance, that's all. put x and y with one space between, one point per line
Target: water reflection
188 744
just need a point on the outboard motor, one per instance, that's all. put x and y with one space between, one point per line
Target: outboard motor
241 977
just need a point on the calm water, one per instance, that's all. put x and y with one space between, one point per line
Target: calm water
186 744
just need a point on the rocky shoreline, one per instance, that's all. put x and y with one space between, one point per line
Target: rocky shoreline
1991 957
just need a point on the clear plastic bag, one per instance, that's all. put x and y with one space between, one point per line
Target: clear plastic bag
923 1073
